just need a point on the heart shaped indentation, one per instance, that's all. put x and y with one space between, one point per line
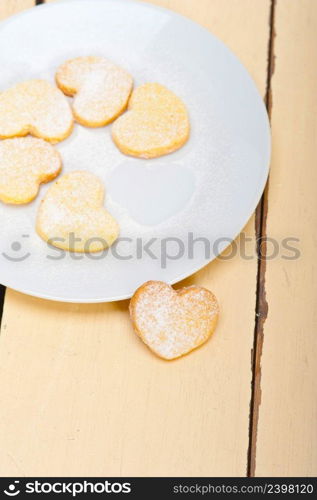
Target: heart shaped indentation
153 193
71 215
172 323
101 89
25 163
156 124
35 107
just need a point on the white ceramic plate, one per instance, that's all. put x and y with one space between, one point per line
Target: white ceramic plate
208 189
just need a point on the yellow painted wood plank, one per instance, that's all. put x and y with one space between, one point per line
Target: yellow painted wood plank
80 393
287 429
10 7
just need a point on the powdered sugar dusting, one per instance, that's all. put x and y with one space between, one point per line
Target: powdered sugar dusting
35 107
24 163
157 123
173 323
74 206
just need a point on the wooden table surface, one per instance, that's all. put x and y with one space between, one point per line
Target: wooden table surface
80 394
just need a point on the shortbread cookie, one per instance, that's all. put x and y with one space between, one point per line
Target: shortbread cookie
35 107
72 217
25 163
101 89
172 323
156 124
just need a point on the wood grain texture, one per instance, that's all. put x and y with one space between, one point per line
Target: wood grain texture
287 428
10 7
81 395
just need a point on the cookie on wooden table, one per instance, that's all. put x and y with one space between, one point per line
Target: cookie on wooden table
173 322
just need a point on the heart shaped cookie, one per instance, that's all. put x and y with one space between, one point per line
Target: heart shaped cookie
156 124
35 107
25 163
101 89
72 217
172 323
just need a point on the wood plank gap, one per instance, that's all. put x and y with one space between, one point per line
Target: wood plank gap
261 307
